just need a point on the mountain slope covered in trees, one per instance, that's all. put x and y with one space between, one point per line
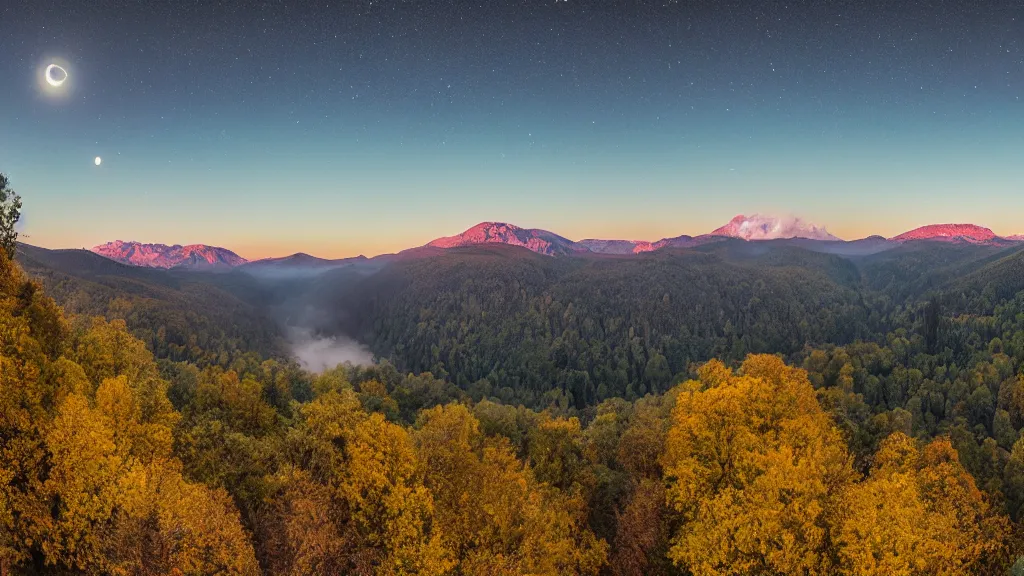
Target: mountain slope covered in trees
112 466
600 327
207 318
924 340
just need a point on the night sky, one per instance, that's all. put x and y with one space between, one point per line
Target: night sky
340 128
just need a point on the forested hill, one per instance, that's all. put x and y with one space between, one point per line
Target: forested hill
535 329
505 318
909 405
915 268
109 465
927 339
202 317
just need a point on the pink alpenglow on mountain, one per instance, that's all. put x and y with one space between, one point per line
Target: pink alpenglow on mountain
950 233
758 227
539 241
617 246
163 256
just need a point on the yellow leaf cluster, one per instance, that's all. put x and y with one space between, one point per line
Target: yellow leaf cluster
763 484
354 501
86 478
752 461
917 513
495 517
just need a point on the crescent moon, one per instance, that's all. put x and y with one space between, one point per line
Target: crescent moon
50 80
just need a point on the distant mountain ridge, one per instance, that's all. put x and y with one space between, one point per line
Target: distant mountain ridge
755 228
951 233
617 246
198 256
301 259
539 241
296 265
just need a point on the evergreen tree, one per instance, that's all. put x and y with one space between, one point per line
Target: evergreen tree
10 212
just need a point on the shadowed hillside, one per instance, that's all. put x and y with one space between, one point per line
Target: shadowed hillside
208 318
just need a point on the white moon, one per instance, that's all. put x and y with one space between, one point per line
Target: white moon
98 160
53 81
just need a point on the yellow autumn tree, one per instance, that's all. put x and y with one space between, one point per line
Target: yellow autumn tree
495 517
918 512
166 525
85 432
352 501
557 453
751 462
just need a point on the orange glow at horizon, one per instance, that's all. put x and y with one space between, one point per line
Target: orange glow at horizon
388 241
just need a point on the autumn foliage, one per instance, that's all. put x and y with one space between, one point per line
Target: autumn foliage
88 481
111 463
764 484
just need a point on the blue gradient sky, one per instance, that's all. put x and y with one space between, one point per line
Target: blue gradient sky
343 128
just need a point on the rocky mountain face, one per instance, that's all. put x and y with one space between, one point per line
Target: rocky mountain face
196 256
540 241
950 233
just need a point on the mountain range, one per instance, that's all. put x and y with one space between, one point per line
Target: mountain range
753 228
164 256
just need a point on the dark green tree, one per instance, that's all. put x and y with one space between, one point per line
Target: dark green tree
10 212
931 325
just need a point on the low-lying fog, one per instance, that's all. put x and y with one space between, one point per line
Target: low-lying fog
319 353
306 308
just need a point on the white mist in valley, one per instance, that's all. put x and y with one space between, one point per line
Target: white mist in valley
319 353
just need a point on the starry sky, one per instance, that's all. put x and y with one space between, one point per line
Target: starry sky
341 128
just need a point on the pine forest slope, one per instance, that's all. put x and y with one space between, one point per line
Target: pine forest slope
181 315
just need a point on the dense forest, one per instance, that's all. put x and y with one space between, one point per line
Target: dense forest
537 330
525 327
116 464
206 319
737 408
926 339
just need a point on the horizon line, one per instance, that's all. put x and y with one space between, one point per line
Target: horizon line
790 219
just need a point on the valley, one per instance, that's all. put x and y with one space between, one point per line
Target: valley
577 361
562 288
